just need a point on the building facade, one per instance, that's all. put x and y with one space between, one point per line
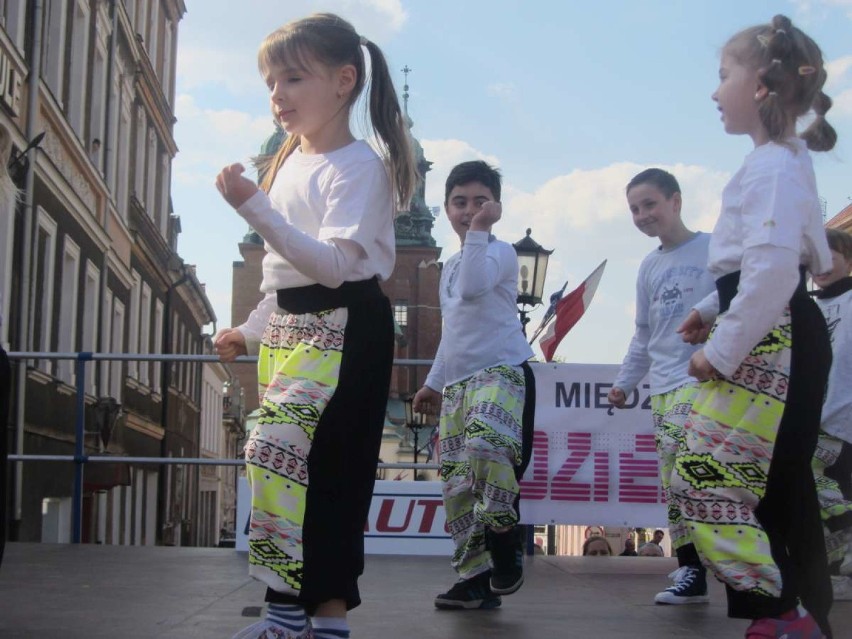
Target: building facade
89 263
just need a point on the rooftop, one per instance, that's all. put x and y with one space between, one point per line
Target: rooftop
91 591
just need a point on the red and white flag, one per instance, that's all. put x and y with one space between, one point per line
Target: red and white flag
568 312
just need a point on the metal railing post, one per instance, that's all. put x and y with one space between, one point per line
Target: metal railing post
79 447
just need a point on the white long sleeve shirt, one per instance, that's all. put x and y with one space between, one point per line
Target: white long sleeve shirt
669 283
770 224
835 302
481 327
328 219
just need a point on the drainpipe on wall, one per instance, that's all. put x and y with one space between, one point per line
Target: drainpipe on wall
29 224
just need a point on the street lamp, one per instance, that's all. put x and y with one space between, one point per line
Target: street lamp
415 420
532 263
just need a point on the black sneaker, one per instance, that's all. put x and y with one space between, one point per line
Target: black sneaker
690 587
469 594
507 557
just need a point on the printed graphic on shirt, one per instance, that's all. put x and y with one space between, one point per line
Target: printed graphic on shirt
832 318
673 290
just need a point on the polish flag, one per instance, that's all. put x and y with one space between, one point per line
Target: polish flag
568 312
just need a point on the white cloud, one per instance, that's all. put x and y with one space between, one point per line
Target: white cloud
810 7
233 67
842 105
503 90
209 139
444 155
837 74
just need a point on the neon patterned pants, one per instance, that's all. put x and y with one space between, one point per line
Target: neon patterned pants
743 480
835 509
670 411
311 460
481 433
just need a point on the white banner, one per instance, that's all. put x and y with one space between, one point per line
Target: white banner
591 464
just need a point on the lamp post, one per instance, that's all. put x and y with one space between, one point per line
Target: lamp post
414 421
532 269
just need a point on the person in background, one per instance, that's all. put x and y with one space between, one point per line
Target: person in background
485 389
629 548
597 546
671 280
832 463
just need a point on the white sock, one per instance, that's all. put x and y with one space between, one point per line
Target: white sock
330 627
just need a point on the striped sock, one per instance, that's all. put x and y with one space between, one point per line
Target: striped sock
330 627
288 616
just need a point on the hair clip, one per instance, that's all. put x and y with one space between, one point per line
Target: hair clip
772 94
362 41
763 40
806 69
775 61
781 31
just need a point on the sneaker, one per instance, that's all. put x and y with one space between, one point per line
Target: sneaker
469 594
690 587
791 625
842 588
507 557
268 630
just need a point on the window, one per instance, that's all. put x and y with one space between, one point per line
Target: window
67 337
91 295
168 56
145 334
13 13
117 346
157 381
79 64
164 195
106 344
133 323
139 181
151 177
7 217
400 313
98 98
121 195
53 53
42 291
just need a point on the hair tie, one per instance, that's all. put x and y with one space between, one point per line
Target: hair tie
806 69
362 41
772 94
775 61
780 31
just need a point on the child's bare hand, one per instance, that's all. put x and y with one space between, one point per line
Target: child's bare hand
701 368
490 213
229 343
616 397
694 330
427 401
234 187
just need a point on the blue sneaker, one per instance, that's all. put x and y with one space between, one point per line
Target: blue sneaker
690 587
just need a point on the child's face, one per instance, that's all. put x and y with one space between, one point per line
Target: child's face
463 203
653 213
840 268
306 100
736 98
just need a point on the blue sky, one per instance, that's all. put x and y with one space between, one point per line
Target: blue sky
569 99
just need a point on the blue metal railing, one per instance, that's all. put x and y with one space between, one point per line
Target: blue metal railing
80 458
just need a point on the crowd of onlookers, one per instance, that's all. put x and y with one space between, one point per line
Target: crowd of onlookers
597 546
